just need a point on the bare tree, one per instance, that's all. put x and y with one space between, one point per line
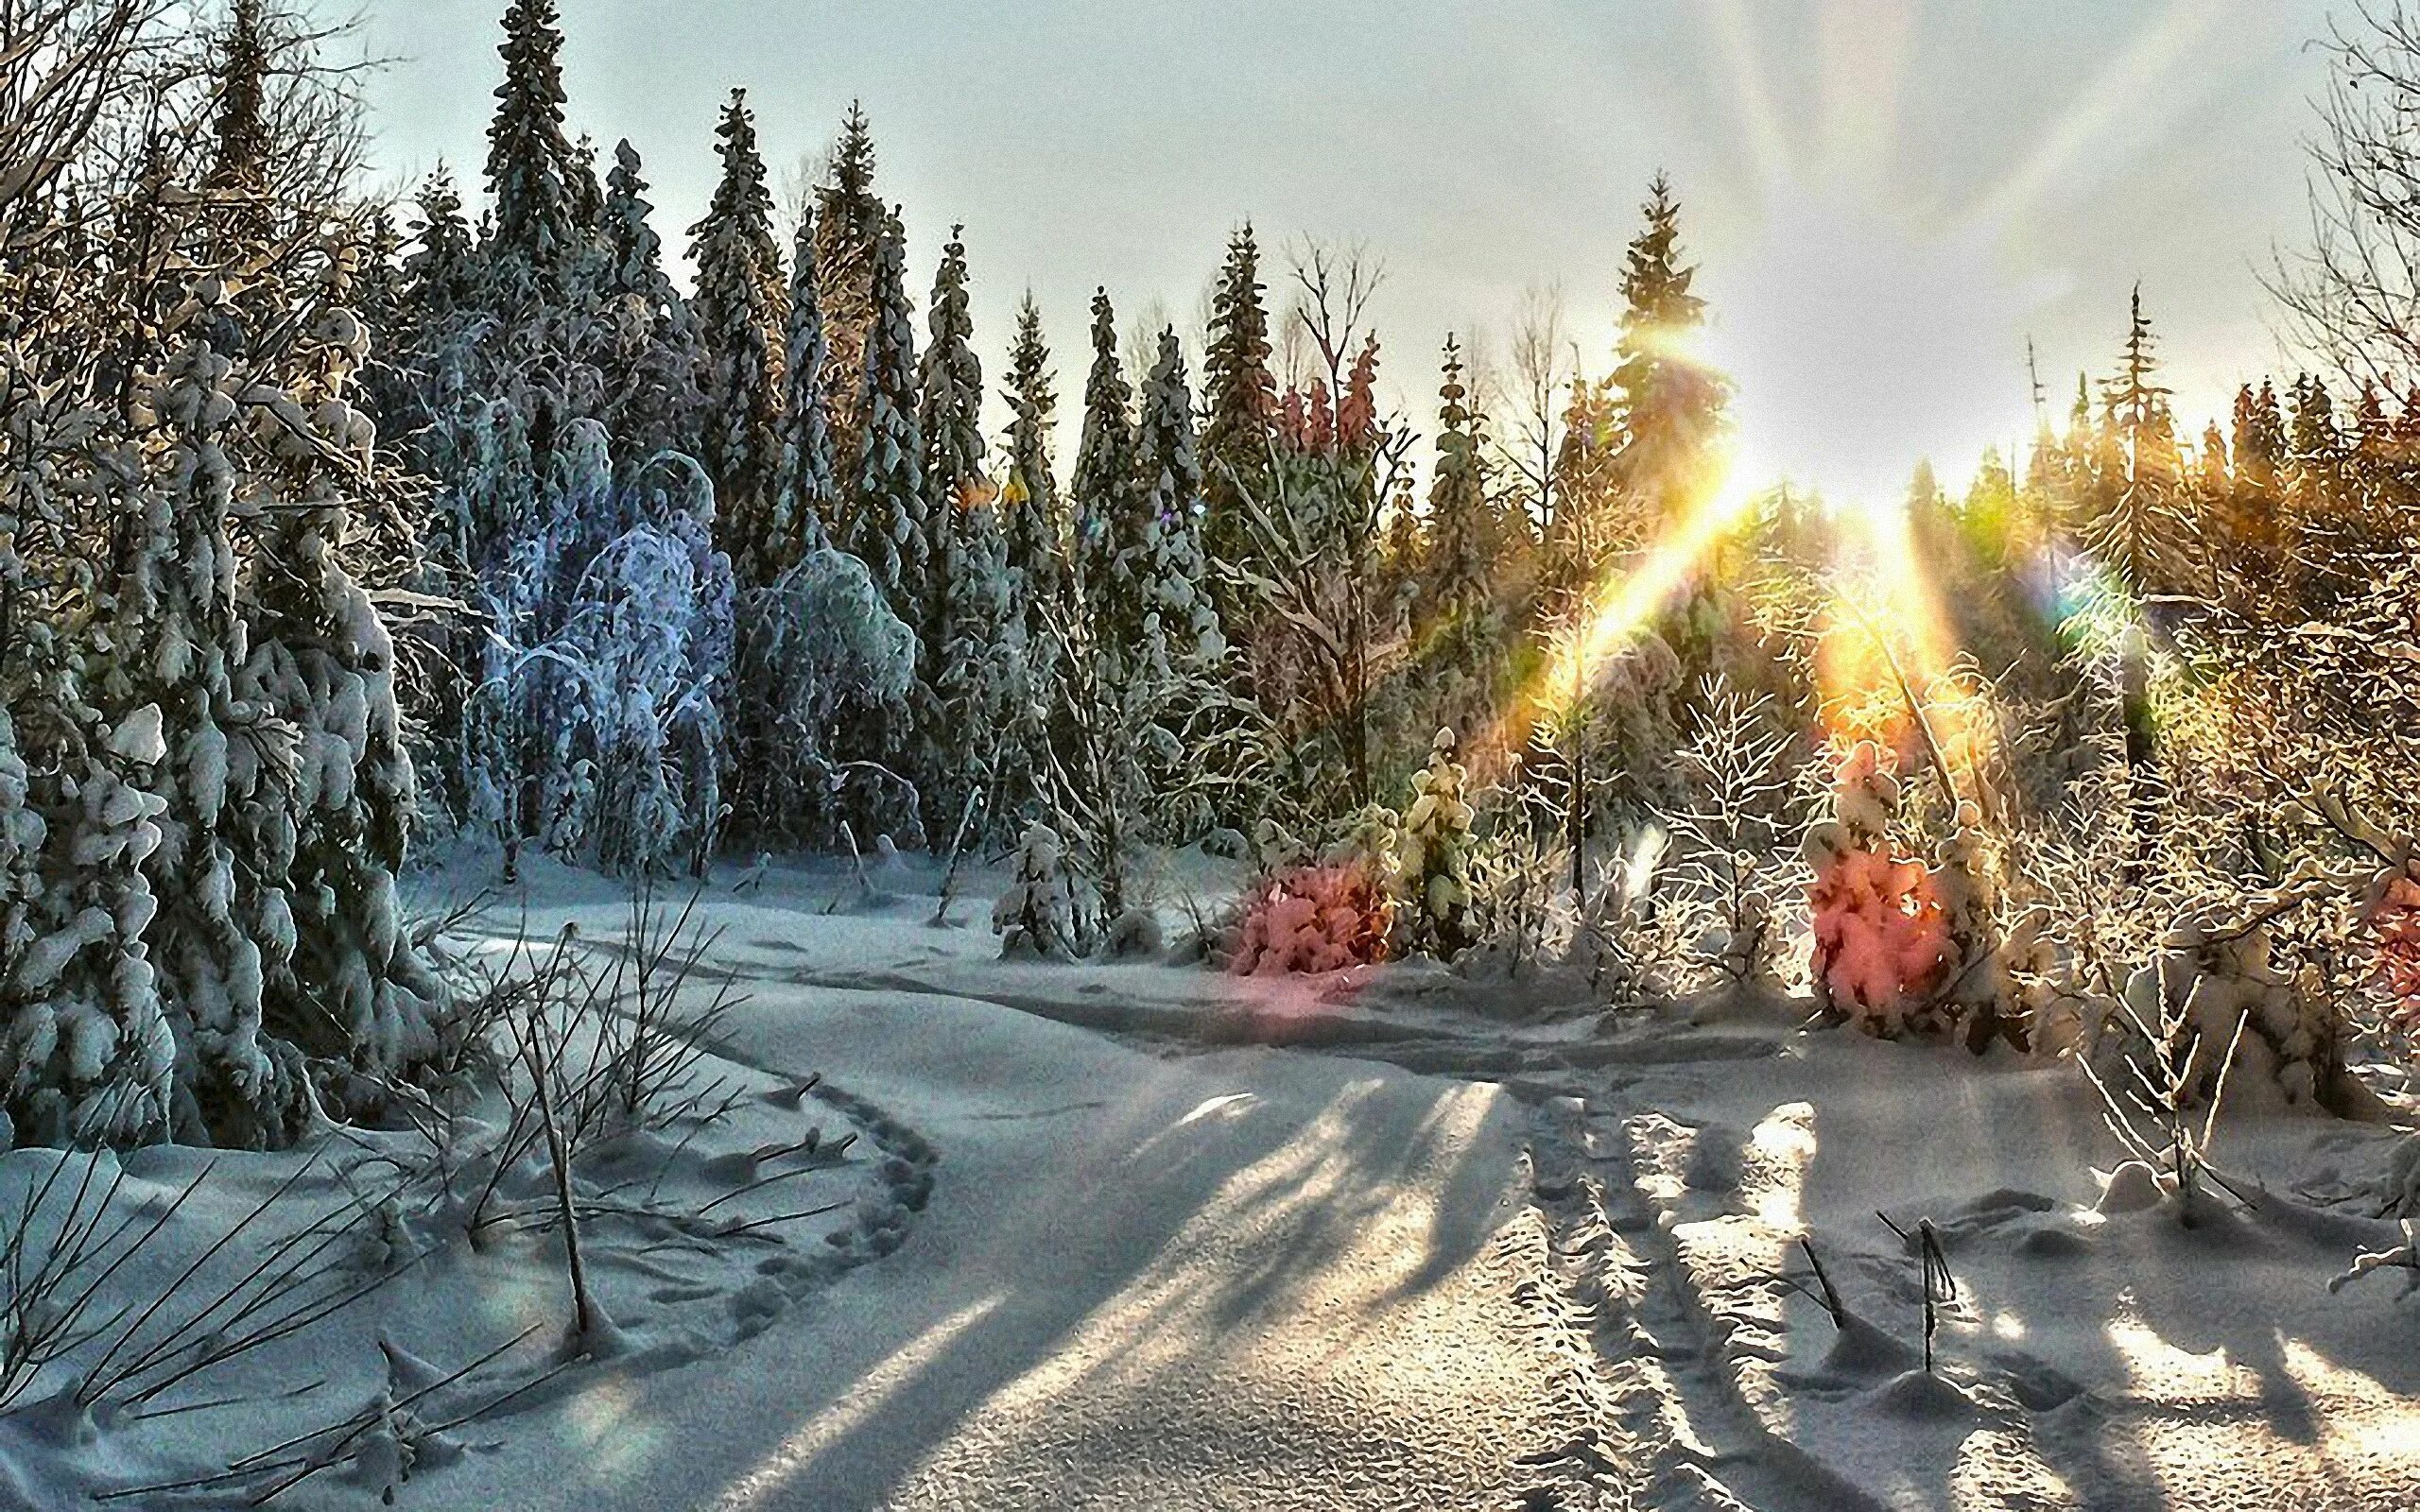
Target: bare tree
2351 298
1540 364
1333 285
65 65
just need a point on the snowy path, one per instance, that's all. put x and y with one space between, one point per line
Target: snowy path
1250 1278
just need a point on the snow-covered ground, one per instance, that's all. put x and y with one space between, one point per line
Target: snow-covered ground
1142 1235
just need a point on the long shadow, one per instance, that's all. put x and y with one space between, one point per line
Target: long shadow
2137 1276
1017 1258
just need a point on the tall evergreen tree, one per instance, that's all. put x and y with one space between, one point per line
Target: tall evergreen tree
806 494
1240 398
1029 493
1100 490
1032 558
1161 542
741 318
849 219
535 232
1463 537
887 521
651 363
1671 404
2132 529
950 415
241 126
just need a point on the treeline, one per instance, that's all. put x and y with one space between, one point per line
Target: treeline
746 568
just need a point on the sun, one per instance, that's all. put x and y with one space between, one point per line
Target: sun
1862 341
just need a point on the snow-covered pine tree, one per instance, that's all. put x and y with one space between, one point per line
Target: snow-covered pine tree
354 989
1030 513
2134 530
980 680
86 1047
849 220
1671 404
1100 491
967 605
1033 554
225 925
806 491
1159 544
741 318
1239 394
949 417
1462 532
887 512
651 359
534 236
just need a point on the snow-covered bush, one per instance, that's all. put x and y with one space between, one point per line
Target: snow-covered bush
1996 969
1879 939
612 666
2217 1006
1729 836
824 668
1434 857
1036 915
1315 914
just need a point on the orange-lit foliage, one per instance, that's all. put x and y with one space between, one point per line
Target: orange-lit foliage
2395 917
1880 938
1313 919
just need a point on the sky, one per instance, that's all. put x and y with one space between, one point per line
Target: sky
1885 198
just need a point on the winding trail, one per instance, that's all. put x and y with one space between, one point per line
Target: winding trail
1234 1278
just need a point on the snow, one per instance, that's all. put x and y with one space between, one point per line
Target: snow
1151 1234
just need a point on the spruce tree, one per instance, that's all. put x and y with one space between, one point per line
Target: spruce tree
1100 491
241 126
535 232
740 317
887 521
1161 541
1240 399
806 492
1463 538
950 415
849 220
1029 493
2131 531
1033 560
650 366
1672 405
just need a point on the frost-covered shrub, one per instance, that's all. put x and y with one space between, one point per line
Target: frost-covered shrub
1434 856
1323 914
824 668
1741 783
1036 915
614 635
1995 975
1879 939
2215 1003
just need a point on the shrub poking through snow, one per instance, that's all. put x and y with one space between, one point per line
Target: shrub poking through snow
1036 916
2390 917
2214 984
1879 938
1994 978
1323 914
1436 887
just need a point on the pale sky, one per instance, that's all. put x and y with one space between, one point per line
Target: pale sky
1886 197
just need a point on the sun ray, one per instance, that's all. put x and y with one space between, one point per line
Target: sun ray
1620 604
2131 79
1768 148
